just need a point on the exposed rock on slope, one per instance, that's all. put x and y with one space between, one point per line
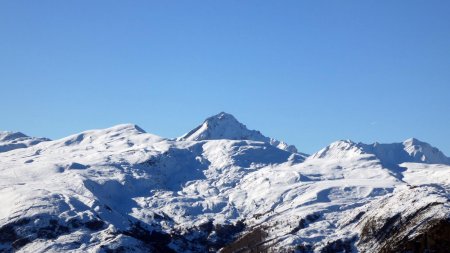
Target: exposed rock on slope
414 219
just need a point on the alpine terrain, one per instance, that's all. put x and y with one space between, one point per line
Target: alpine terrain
219 188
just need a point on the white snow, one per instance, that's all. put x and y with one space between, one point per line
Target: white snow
411 150
220 171
14 140
225 126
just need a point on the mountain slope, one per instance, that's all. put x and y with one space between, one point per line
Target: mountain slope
420 224
110 176
121 189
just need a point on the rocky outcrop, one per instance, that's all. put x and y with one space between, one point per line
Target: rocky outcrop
416 219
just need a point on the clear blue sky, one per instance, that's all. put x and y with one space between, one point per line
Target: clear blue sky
308 72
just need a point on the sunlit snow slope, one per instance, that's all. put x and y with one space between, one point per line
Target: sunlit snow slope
221 187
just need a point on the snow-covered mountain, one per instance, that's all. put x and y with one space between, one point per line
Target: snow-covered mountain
411 150
221 187
226 126
14 140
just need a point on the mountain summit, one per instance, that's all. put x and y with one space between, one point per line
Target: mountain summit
226 126
411 150
14 140
423 152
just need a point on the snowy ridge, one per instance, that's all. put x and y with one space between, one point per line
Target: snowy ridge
411 150
14 140
122 189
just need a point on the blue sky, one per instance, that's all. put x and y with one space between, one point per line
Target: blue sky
308 72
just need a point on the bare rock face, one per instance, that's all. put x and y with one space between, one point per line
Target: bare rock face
410 220
251 242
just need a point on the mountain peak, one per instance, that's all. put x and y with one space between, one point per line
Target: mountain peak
423 152
340 149
223 118
126 127
8 135
413 141
14 140
110 134
222 115
222 126
411 150
226 126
